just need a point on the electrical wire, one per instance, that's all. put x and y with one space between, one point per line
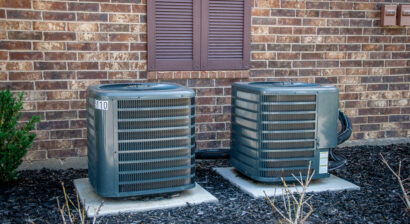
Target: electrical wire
339 161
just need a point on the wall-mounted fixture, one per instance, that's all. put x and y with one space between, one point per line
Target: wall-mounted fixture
403 17
388 15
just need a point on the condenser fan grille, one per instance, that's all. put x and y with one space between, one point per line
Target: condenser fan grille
155 136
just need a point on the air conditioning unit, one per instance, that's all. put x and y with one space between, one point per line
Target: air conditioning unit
278 128
140 138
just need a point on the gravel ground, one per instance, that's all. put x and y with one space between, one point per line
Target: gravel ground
32 198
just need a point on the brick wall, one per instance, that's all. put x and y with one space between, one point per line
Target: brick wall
54 49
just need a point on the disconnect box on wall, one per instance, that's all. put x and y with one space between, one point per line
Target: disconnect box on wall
388 15
403 18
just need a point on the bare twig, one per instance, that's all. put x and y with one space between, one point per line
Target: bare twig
97 212
401 181
79 216
293 212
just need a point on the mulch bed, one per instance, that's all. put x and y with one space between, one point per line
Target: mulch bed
33 197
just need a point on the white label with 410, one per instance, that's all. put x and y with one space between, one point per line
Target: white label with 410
101 104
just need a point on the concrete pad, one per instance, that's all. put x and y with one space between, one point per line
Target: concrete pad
256 189
111 206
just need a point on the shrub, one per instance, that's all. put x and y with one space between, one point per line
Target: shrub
15 138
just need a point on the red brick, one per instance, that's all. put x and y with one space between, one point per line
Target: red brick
91 75
43 5
288 56
25 76
289 21
317 5
26 56
288 39
48 46
92 36
51 85
17 85
53 105
92 56
83 27
341 5
77 105
50 66
61 115
17 14
49 26
114 46
82 46
372 47
55 144
59 75
73 6
114 27
138 47
2 13
365 6
268 3
292 4
24 4
100 17
82 65
18 66
24 35
59 36
63 16
122 66
66 134
139 8
60 56
62 95
115 8
35 155
3 76
280 30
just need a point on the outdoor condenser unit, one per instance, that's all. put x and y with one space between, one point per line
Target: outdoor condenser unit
278 128
140 138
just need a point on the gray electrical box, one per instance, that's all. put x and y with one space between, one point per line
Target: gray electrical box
279 127
140 138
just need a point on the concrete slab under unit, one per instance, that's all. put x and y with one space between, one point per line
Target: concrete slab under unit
113 206
256 189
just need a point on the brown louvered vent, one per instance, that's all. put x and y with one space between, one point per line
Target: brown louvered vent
174 30
225 24
198 34
173 26
226 21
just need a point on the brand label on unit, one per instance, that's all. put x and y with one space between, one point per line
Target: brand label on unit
101 104
324 160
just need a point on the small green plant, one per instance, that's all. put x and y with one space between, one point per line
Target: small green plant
15 138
